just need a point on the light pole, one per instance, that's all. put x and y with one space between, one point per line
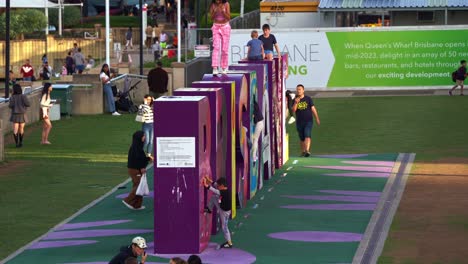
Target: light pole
7 49
107 33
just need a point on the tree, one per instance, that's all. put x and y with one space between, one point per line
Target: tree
71 16
23 21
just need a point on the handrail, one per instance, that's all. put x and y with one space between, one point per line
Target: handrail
129 75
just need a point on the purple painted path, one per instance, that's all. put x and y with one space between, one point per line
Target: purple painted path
212 255
317 236
333 207
359 193
62 243
96 233
360 174
343 156
370 163
90 224
354 168
358 199
107 262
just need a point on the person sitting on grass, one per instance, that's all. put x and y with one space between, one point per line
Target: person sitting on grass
222 200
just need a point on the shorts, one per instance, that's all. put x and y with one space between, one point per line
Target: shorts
257 57
268 52
304 130
80 67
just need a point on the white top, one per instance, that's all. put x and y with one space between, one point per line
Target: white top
104 75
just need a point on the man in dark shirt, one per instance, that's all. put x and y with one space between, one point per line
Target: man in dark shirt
222 200
305 113
157 81
137 248
459 77
269 41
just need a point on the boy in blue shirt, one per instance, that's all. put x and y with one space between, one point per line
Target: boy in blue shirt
255 51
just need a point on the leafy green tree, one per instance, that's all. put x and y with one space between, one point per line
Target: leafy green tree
23 21
71 16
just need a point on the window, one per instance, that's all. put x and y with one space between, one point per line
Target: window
426 16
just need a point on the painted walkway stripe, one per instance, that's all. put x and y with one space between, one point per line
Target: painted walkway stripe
376 233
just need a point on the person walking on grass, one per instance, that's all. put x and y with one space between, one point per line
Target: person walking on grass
137 162
222 201
460 77
18 104
45 109
305 112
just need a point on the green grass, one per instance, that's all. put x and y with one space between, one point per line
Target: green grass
167 62
87 159
115 21
88 155
433 127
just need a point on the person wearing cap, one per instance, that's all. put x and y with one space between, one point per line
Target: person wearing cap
137 248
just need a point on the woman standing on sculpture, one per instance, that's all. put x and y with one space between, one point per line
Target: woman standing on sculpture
18 104
220 13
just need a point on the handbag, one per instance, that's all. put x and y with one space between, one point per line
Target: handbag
140 115
143 189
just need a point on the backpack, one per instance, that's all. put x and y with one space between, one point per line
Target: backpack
454 76
45 73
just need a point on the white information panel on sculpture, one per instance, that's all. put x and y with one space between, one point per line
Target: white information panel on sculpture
175 152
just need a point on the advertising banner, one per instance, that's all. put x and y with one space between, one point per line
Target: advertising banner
366 58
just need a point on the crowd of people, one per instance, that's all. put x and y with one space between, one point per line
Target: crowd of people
74 63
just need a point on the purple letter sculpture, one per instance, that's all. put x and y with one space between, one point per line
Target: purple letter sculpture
182 141
218 134
229 89
242 81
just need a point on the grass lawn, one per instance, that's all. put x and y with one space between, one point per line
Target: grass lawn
43 185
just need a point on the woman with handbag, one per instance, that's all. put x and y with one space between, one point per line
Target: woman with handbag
137 162
145 115
18 104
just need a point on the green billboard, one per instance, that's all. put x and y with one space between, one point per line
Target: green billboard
396 58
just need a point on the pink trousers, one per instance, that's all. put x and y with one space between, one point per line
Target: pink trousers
221 38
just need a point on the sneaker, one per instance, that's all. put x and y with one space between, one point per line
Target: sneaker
129 206
291 120
224 71
307 154
207 210
115 113
140 208
462 94
450 93
225 245
215 71
303 154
